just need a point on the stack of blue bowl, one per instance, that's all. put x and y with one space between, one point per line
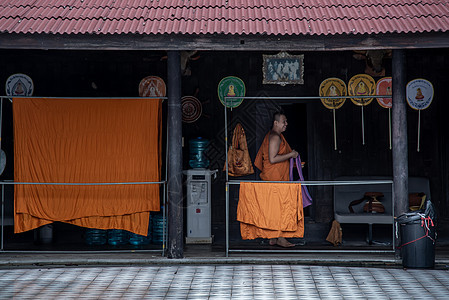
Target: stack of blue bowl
118 237
96 236
158 229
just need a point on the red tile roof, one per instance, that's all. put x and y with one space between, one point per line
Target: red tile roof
271 17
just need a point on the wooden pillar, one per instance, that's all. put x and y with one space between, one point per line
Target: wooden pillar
399 128
174 185
400 149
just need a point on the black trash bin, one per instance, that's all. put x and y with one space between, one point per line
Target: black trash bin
418 237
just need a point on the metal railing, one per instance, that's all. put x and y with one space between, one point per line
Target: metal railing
163 183
306 183
309 183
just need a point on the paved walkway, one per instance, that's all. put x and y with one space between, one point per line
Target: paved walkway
222 282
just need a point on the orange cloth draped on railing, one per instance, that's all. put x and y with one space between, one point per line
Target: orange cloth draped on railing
86 141
270 210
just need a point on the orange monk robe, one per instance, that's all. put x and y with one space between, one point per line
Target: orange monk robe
273 172
86 141
271 210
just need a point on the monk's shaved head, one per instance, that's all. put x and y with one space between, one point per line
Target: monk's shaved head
277 116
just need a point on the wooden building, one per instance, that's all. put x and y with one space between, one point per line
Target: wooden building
90 49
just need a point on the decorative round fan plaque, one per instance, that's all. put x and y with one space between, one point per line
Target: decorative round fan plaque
191 109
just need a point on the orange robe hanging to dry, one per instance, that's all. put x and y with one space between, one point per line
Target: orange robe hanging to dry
271 210
86 141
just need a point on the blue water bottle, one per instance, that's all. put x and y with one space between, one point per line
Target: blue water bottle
197 156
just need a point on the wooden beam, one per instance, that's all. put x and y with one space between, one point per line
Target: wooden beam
226 42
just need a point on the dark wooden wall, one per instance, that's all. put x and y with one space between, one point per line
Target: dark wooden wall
323 162
118 73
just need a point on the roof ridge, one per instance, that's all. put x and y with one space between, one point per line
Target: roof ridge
103 12
227 19
271 6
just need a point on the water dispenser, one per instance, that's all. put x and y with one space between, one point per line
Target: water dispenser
199 206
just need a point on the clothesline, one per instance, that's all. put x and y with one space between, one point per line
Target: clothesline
82 183
320 183
304 97
81 98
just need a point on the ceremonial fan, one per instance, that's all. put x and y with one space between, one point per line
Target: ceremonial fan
361 85
419 96
333 87
383 87
152 86
231 86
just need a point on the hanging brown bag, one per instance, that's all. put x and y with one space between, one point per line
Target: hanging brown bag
238 156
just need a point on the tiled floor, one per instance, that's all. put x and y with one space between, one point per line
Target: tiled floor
223 282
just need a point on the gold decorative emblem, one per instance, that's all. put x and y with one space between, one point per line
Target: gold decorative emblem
333 87
361 85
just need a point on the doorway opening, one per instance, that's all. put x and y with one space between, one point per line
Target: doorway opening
296 135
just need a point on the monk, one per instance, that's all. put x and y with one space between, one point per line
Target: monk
273 160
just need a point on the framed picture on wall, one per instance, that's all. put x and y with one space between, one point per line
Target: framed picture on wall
283 68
